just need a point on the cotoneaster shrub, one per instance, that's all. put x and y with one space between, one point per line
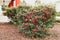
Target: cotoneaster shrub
32 21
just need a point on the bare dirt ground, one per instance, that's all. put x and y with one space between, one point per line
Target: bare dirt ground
10 32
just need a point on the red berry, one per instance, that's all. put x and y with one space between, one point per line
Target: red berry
28 16
34 19
34 30
44 18
25 24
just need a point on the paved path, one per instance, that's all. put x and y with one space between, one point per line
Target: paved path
10 32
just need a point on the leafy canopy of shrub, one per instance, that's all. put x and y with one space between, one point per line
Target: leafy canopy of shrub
32 21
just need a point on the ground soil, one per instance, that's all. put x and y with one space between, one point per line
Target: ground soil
10 32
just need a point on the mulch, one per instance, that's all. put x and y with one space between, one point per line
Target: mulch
10 32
